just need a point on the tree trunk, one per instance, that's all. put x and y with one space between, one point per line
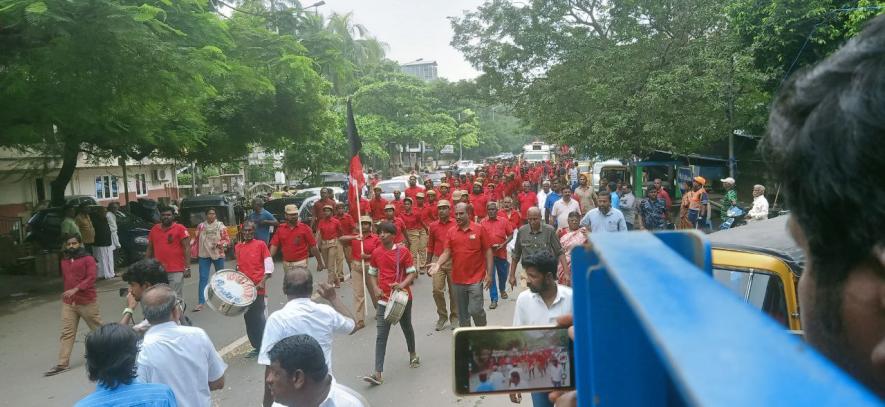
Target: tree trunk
58 186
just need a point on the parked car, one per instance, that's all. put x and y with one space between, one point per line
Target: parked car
44 231
389 185
436 177
762 264
147 209
300 196
193 212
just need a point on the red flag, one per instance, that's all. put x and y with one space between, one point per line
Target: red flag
357 180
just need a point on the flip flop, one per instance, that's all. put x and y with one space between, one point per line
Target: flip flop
56 370
198 308
371 379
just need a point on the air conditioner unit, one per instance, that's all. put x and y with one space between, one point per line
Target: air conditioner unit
161 175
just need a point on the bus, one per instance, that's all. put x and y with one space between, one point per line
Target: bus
537 152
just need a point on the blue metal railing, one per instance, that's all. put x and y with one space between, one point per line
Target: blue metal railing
656 330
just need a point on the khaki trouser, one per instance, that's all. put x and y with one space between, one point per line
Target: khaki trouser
442 279
70 321
358 282
331 251
417 245
293 265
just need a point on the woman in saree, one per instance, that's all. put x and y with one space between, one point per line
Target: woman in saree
569 238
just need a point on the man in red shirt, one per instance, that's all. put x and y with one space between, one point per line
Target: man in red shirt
438 232
326 199
511 214
253 260
416 231
444 192
428 185
468 246
429 213
296 240
361 248
330 230
527 199
397 202
413 188
347 228
499 231
392 268
390 216
78 300
479 200
168 242
377 204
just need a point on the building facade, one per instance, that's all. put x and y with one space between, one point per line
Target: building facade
421 69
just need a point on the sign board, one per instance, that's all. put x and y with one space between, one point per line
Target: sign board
447 149
683 175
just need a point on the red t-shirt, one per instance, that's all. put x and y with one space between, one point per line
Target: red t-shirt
377 208
436 237
318 207
412 220
166 244
514 217
468 249
392 267
526 201
250 260
370 242
397 207
498 230
412 192
295 242
330 228
479 205
400 229
347 225
430 213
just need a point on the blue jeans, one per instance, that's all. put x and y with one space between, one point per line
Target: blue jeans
540 400
502 268
205 263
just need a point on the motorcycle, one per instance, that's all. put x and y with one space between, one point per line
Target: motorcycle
736 217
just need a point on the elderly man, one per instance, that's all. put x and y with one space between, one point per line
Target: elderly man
542 200
826 129
729 199
299 376
467 244
263 220
181 357
532 238
301 315
759 211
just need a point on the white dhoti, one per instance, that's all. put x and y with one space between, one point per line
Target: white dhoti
104 259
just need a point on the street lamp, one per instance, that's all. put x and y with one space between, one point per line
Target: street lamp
315 6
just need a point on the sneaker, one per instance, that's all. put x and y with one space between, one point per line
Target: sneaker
455 323
493 305
252 354
504 295
440 324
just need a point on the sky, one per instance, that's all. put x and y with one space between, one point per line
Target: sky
412 29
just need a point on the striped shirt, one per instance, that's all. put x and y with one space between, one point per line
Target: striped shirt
130 395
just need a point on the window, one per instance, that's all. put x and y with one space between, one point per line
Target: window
140 185
106 187
762 290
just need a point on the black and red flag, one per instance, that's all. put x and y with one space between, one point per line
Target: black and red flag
357 180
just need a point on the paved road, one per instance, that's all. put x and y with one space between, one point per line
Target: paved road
31 326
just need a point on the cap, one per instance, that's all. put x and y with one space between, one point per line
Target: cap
396 191
477 183
420 195
291 209
442 203
389 206
700 180
728 180
431 192
377 187
328 207
444 184
365 219
456 195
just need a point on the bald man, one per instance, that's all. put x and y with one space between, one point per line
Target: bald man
533 237
301 315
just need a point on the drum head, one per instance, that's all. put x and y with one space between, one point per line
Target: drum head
233 287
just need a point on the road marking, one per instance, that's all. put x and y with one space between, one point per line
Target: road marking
233 345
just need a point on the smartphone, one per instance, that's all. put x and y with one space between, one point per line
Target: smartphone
513 360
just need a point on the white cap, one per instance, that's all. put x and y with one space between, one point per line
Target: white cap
728 180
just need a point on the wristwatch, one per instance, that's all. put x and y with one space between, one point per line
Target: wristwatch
127 310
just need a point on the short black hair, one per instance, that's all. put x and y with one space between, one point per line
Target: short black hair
388 227
542 261
300 352
826 126
69 236
111 353
146 271
165 208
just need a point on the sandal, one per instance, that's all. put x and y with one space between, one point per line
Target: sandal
414 362
371 379
198 308
56 370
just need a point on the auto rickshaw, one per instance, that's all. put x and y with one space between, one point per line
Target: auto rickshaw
762 264
192 212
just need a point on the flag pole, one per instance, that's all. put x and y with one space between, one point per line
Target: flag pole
359 216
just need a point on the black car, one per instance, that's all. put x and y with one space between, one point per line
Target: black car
44 230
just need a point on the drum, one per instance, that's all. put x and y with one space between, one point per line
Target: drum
230 292
396 305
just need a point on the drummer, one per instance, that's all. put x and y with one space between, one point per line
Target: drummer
253 260
297 240
391 268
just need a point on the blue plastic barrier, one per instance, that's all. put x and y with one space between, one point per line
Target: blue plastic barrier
657 330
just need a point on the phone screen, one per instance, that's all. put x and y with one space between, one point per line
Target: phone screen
513 359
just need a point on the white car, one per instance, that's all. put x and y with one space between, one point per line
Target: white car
389 185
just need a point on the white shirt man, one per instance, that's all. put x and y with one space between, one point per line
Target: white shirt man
759 211
183 358
542 199
562 208
304 316
532 310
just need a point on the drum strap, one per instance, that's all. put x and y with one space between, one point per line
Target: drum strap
399 273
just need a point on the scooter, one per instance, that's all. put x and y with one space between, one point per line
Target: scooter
736 217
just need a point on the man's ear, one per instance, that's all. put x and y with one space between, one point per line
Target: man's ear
298 379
